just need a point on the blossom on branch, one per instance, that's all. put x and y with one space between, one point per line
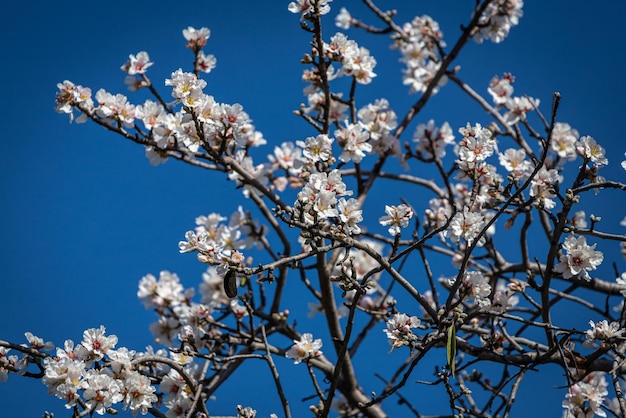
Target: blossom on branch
186 87
137 64
543 186
196 38
343 20
205 63
96 343
432 140
307 6
590 150
501 89
101 391
37 343
305 349
517 107
474 286
476 145
602 331
584 399
497 20
378 118
578 258
164 292
115 108
71 96
399 330
151 114
350 214
139 393
353 141
466 224
514 161
317 148
564 138
418 43
397 217
7 363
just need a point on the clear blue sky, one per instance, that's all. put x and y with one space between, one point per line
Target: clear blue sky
85 216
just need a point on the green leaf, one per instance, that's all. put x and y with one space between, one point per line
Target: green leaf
451 348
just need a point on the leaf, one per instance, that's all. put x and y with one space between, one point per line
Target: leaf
451 348
230 284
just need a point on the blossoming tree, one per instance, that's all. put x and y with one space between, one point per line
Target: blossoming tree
305 227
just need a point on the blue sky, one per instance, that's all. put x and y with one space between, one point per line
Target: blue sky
86 216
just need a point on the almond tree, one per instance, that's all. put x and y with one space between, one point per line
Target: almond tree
306 233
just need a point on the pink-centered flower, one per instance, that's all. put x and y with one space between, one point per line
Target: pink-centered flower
137 64
399 330
578 258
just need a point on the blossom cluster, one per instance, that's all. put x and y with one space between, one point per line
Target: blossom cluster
305 7
135 67
218 243
196 40
317 201
97 376
468 225
501 90
399 330
8 363
195 125
496 21
200 122
568 144
419 43
355 61
378 119
72 96
473 150
179 317
602 331
585 398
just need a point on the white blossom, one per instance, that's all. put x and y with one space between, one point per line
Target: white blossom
350 214
590 150
466 224
578 258
137 64
501 89
602 331
497 20
585 398
564 138
304 349
474 286
431 140
543 186
343 19
397 217
399 330
306 6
